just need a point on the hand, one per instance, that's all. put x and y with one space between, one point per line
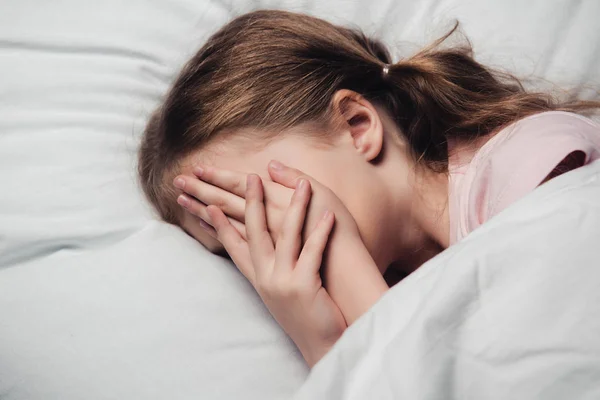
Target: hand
286 275
351 276
226 189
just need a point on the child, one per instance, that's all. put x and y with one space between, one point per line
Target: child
407 158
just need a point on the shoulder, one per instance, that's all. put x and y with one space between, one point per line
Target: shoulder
519 157
549 126
541 134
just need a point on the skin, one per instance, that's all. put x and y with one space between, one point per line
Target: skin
387 210
400 207
285 272
353 278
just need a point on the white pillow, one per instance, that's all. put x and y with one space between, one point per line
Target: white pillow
153 317
79 79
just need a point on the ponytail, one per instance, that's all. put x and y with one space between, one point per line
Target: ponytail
444 94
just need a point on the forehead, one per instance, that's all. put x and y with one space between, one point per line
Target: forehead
252 153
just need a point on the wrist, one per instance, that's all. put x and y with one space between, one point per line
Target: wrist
314 350
353 280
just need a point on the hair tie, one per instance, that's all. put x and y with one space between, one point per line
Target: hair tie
386 70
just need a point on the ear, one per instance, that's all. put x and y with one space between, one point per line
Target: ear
361 120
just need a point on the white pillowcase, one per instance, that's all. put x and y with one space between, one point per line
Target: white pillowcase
153 317
79 79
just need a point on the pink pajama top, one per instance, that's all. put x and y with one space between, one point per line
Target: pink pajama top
485 180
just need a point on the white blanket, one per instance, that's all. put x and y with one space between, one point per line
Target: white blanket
512 312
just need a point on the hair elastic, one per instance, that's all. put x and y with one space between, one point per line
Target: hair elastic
386 70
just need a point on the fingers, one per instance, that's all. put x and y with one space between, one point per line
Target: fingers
231 181
198 209
259 239
312 252
290 238
193 206
231 204
234 244
285 176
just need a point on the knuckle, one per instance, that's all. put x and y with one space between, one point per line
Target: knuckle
279 289
236 185
220 202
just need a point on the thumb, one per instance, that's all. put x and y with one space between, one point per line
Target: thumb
285 176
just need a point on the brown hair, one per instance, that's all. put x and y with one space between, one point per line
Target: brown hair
272 70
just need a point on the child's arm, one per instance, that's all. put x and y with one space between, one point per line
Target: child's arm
351 276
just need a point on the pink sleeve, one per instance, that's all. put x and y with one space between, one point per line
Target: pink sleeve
518 159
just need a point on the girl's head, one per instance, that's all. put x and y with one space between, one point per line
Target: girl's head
327 100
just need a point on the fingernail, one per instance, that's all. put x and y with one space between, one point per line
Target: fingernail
327 214
276 165
302 184
204 225
179 183
183 201
198 171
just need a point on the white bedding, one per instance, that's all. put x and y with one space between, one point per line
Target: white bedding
97 299
153 317
511 312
